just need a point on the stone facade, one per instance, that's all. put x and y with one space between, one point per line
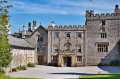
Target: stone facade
96 25
22 52
96 43
66 40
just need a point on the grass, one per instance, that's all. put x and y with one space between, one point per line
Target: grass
103 76
4 77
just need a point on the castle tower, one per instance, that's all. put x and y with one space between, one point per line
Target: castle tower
34 25
29 26
53 24
23 32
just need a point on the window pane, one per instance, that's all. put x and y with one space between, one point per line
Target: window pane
56 35
79 34
68 35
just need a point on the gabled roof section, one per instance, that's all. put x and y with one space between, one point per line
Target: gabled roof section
40 27
18 42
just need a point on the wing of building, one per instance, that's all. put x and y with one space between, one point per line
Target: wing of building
96 43
22 52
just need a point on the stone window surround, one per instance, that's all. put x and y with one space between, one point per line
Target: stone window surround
103 35
56 48
104 45
56 34
79 58
77 33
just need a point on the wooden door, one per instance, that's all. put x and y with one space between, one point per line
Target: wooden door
40 60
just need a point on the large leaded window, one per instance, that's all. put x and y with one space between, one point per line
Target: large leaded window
102 48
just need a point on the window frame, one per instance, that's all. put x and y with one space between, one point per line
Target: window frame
56 49
103 35
79 58
78 35
79 48
102 48
68 35
56 35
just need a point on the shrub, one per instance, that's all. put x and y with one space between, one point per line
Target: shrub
21 67
31 64
114 63
2 71
14 69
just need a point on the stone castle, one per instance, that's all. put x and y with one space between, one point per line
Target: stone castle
95 43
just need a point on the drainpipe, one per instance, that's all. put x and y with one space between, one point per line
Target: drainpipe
84 49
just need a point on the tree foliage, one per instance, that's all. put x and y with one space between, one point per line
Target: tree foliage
5 48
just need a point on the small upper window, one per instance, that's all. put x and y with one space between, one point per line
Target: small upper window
56 49
43 48
103 22
79 34
56 35
103 35
41 39
68 34
67 47
79 48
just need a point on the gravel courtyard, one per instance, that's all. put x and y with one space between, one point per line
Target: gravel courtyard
48 72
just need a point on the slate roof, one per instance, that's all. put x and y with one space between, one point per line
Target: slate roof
18 42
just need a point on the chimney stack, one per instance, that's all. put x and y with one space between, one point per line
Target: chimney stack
53 24
23 32
34 25
117 10
23 28
29 26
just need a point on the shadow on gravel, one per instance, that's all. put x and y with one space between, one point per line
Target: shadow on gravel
71 78
110 69
71 73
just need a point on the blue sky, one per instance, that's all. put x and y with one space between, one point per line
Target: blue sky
62 12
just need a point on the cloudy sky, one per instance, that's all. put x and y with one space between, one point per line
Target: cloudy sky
62 12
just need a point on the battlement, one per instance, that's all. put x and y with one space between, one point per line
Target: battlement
65 27
91 16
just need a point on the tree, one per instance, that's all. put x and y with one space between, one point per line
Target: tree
5 48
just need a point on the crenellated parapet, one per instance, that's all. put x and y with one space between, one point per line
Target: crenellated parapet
91 16
65 27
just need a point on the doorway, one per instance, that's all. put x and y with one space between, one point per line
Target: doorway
67 61
40 60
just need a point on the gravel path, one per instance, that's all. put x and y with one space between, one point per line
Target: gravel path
48 72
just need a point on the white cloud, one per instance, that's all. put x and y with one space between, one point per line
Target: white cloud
60 7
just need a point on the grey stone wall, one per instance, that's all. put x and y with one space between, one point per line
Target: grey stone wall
74 40
33 40
112 27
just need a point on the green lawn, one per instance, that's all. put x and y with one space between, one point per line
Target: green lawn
17 78
4 77
103 76
21 78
